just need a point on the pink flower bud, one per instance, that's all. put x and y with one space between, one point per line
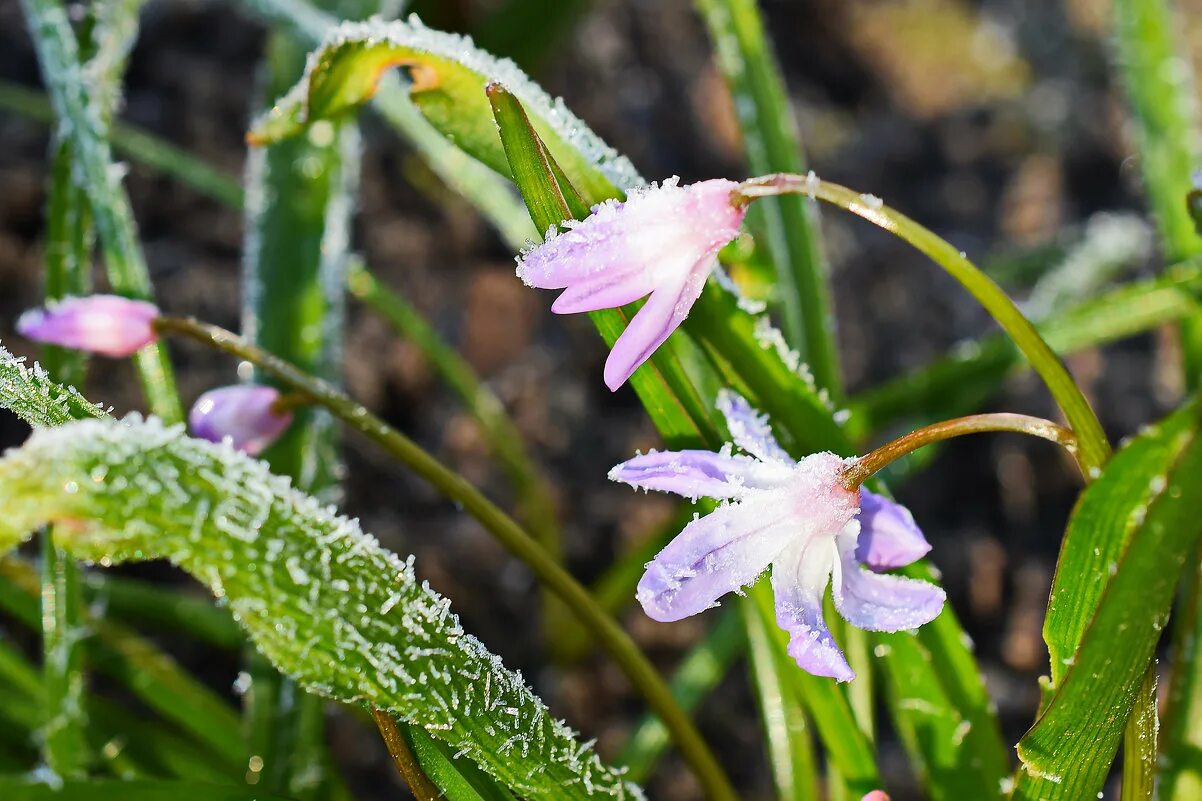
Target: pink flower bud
876 795
245 414
105 324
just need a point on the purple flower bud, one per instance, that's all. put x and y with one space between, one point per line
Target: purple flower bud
105 324
247 414
889 537
663 242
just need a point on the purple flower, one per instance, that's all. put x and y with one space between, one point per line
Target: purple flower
105 324
663 242
798 518
248 415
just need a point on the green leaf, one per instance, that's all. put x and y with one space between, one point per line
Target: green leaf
771 143
322 600
447 76
459 779
786 732
1127 543
21 790
58 54
29 393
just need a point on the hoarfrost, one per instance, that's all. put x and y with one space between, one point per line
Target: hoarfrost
321 598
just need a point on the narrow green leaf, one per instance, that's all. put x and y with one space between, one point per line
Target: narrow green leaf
786 732
772 144
1139 743
1156 527
459 779
296 576
58 54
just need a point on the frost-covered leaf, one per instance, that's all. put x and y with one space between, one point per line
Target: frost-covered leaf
29 393
320 598
448 76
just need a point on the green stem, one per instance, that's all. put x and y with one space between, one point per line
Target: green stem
1094 447
507 532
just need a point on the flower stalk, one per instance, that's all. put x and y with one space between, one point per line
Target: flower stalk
1094 446
505 529
866 466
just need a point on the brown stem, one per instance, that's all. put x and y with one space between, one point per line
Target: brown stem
864 467
402 756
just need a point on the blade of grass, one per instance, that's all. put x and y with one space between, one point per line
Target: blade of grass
1164 107
771 144
82 123
786 732
145 790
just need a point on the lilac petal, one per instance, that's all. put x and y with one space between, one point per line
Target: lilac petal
875 602
716 554
876 795
606 290
697 474
660 316
245 414
749 429
661 230
105 324
799 579
889 537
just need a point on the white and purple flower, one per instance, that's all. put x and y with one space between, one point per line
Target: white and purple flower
798 518
248 415
105 324
662 241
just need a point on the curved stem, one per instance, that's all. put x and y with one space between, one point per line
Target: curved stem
1095 448
864 467
506 531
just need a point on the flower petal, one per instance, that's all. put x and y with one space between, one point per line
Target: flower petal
716 554
875 602
606 290
749 429
696 474
660 316
244 414
889 537
799 579
105 324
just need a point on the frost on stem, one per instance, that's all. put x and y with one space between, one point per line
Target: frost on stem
322 599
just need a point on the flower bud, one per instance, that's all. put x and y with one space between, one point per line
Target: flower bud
246 414
108 325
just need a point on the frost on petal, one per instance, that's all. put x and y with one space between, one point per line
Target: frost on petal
799 579
749 429
246 415
698 474
660 316
716 554
105 324
876 602
889 537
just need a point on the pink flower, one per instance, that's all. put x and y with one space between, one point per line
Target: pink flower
876 795
105 324
248 415
798 518
662 241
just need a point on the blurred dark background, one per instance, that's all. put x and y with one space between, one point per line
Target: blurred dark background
999 124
